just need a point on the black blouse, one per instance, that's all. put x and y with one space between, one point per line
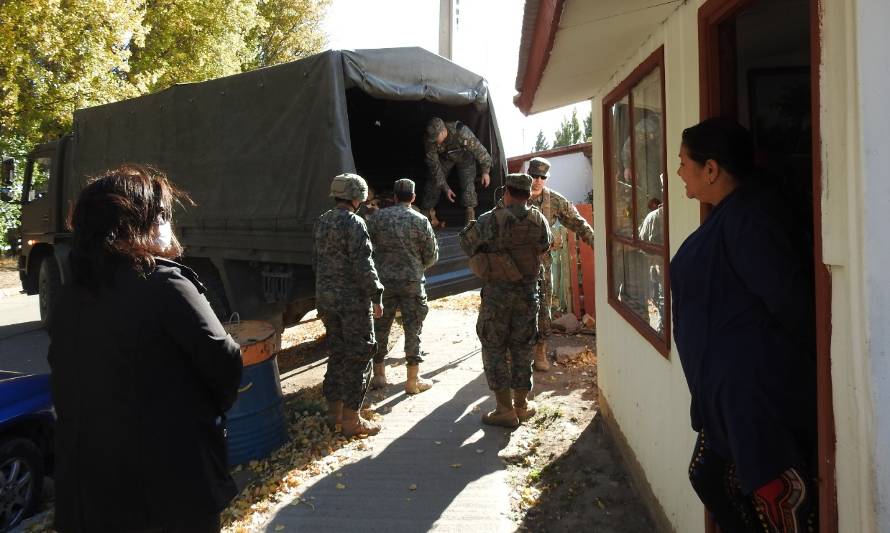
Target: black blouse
743 322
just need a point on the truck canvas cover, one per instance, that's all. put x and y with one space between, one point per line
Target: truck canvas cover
257 150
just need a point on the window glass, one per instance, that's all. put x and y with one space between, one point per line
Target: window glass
39 178
622 191
648 147
638 282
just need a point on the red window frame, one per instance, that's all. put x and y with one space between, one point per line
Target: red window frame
624 89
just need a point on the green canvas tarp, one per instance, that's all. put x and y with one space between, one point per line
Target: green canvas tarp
258 149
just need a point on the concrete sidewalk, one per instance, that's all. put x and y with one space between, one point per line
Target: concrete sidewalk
433 466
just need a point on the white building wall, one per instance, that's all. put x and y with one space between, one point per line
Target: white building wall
569 175
648 394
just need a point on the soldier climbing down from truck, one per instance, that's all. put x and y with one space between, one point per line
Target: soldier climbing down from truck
450 145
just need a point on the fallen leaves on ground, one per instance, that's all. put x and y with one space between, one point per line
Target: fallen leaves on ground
308 452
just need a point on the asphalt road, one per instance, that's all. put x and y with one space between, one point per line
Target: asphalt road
23 343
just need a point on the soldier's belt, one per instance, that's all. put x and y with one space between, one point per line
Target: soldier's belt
495 267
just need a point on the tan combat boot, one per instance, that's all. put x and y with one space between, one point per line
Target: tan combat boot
379 379
470 214
541 362
353 424
504 415
335 415
415 383
525 408
434 222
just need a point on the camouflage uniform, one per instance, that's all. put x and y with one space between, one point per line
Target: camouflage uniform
404 246
554 206
508 310
346 284
461 149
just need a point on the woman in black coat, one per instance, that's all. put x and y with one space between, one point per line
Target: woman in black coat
142 370
742 292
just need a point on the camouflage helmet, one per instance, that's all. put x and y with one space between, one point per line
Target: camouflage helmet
433 127
349 187
538 166
519 180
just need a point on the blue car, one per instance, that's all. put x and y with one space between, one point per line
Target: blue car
26 443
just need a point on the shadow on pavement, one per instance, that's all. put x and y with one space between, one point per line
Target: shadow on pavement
414 479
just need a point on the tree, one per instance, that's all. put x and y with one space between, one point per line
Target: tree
541 143
588 128
569 132
58 56
286 30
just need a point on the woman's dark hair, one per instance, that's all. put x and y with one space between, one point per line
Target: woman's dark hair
726 142
519 194
113 219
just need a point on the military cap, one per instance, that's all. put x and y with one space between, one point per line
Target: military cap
538 166
403 185
433 127
520 181
349 187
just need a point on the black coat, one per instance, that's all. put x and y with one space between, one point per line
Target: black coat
743 322
141 375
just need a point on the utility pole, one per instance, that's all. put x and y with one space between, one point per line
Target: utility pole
446 28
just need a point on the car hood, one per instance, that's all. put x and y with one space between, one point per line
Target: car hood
23 395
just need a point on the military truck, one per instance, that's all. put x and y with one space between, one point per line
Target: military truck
257 152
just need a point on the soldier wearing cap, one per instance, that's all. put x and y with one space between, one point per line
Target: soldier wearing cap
553 206
404 247
449 145
505 247
347 292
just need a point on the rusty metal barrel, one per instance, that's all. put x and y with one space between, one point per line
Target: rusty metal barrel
256 424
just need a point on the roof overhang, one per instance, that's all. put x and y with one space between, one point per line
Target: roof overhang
571 48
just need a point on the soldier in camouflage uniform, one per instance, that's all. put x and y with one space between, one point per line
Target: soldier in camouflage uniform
346 290
505 247
553 206
404 246
449 145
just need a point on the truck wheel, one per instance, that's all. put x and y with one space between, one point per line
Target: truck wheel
49 281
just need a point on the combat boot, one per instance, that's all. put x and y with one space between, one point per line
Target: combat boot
416 384
470 214
504 414
353 424
379 379
434 222
541 362
335 415
525 408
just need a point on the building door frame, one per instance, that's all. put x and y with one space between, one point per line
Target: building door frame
717 76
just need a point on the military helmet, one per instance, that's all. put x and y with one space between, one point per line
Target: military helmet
349 187
538 166
519 180
433 127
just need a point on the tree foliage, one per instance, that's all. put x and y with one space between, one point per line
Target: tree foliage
569 132
588 128
60 55
541 143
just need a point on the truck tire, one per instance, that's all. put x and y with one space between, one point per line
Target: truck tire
49 281
216 291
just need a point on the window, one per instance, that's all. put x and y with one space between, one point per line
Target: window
636 201
40 172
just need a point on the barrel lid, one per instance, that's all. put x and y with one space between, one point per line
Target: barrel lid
247 332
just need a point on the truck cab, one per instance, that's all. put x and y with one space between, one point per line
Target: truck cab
44 237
